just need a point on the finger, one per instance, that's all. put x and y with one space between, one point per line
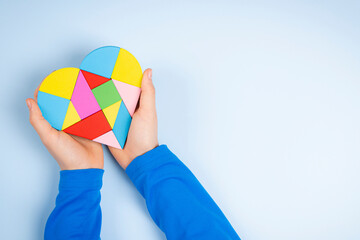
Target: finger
37 92
147 97
41 126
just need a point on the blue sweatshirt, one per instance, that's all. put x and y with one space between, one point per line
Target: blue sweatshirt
176 201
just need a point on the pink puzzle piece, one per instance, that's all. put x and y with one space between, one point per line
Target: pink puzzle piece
83 99
108 139
129 94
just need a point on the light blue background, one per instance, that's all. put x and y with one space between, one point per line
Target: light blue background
259 98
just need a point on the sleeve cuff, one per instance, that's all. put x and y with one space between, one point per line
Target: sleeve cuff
150 160
81 178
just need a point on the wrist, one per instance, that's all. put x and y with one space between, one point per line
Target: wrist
139 152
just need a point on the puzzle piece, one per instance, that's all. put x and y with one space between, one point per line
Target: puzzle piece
94 80
96 102
91 127
122 124
71 116
101 61
108 139
111 113
127 69
106 94
60 83
53 108
83 99
129 95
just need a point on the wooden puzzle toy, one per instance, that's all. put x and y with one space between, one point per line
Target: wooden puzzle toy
98 100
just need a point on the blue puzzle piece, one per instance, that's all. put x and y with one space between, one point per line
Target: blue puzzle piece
122 124
101 61
53 108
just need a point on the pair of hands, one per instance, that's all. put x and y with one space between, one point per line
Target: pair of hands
73 152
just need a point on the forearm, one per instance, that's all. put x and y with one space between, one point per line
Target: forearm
77 214
177 202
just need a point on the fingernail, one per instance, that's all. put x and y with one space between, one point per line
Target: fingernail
150 74
28 104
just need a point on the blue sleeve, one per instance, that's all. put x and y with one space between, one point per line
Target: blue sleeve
176 201
77 214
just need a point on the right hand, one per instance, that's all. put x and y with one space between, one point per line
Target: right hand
142 136
71 152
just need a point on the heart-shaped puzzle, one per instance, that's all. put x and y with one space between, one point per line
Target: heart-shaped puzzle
96 101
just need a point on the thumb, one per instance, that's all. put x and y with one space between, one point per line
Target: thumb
41 126
147 97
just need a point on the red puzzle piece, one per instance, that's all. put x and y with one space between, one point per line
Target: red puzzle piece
94 80
91 127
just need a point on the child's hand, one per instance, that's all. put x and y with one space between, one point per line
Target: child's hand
142 135
70 152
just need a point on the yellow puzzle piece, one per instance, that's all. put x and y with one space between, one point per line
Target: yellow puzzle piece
127 69
60 83
71 117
